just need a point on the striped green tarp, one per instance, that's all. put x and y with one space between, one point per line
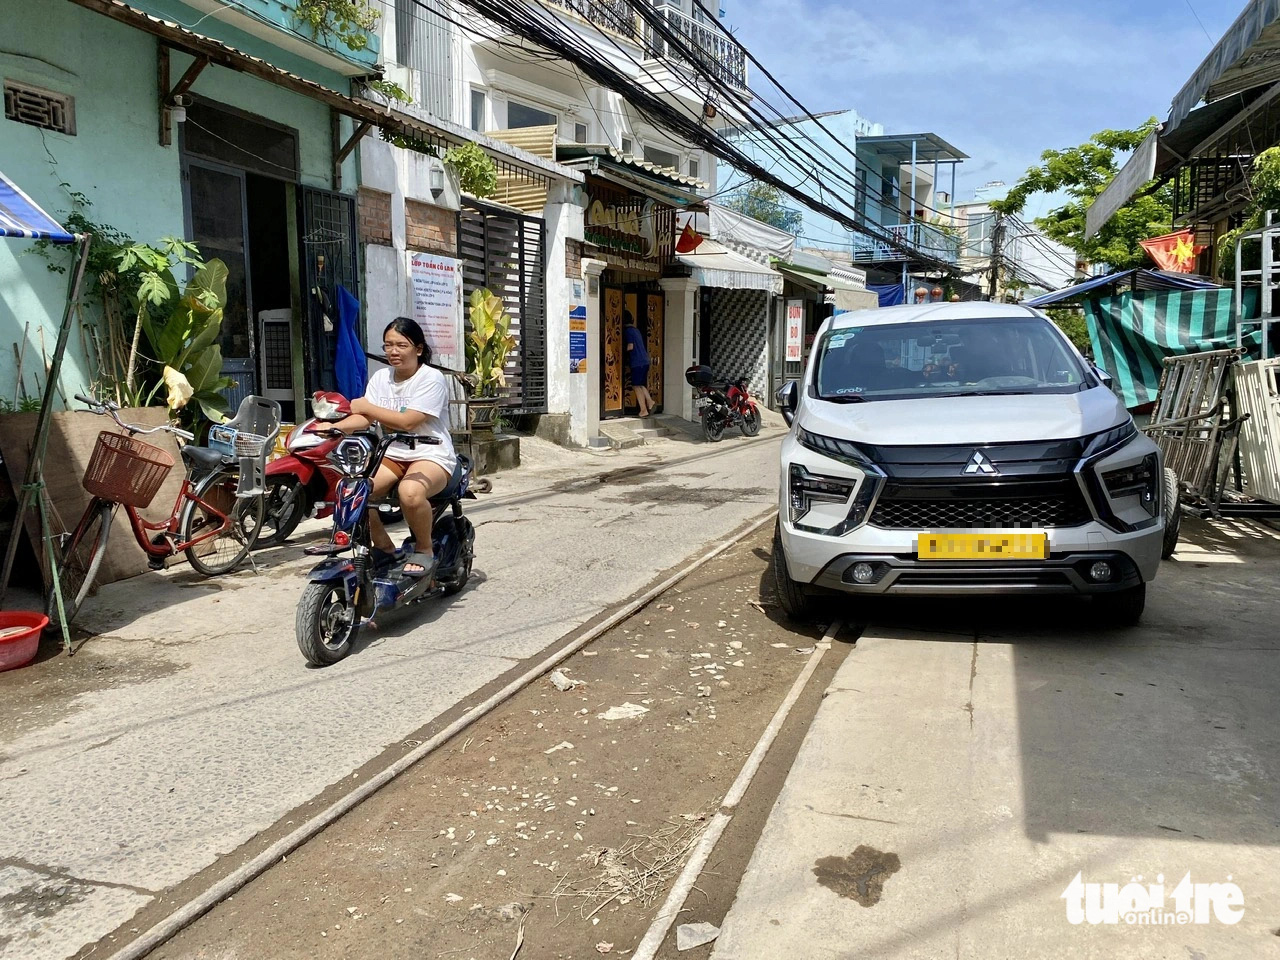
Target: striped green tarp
1133 332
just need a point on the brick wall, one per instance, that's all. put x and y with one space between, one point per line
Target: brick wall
374 216
430 229
573 259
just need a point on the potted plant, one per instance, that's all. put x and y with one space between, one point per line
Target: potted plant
488 345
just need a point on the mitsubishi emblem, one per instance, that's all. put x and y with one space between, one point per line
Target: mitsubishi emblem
978 463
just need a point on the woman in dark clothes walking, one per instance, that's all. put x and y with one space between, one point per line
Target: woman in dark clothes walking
638 360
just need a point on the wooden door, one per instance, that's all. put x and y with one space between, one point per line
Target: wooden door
656 307
611 359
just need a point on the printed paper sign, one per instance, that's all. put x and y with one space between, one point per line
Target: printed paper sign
577 331
436 283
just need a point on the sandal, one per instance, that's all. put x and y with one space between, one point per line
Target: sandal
425 562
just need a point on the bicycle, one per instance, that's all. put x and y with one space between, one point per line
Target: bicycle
213 521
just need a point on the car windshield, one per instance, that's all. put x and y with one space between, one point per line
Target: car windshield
946 358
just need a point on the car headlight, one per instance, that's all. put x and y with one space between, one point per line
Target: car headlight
1137 484
807 488
843 450
1111 439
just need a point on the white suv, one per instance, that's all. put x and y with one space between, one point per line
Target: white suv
964 448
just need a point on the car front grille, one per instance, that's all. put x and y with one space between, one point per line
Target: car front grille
1053 503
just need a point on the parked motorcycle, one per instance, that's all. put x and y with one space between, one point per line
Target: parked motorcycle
344 592
723 403
303 482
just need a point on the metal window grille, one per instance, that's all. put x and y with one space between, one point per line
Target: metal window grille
506 252
424 42
40 108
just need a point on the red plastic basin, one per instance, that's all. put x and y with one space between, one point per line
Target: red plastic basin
19 649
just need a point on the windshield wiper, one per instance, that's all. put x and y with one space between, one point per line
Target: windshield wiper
844 398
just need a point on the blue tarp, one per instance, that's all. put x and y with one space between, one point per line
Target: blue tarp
1138 279
20 217
890 294
349 366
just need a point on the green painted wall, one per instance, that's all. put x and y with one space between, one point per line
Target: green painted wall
115 158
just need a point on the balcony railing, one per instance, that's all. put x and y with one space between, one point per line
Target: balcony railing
713 50
924 238
616 16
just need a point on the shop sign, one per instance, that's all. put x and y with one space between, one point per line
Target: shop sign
437 309
630 226
795 331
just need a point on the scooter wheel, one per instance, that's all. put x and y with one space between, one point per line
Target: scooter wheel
326 624
712 426
750 423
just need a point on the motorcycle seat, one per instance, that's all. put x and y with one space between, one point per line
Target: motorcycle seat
204 458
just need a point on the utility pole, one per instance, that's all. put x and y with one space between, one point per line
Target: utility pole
997 242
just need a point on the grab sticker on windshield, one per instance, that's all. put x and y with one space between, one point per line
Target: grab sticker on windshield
836 342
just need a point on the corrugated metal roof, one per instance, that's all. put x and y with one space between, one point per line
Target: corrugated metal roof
570 152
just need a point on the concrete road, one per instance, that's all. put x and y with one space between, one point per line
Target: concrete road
971 759
208 727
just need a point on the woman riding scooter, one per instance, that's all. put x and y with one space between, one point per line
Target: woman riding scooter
407 396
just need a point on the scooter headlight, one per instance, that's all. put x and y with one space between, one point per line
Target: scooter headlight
351 456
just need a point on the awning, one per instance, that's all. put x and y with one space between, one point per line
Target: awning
433 131
21 217
731 226
716 266
1137 279
661 183
1248 55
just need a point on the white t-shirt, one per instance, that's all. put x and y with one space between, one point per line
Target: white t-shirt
426 391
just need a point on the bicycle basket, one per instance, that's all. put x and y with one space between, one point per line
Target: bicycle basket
223 439
126 470
250 444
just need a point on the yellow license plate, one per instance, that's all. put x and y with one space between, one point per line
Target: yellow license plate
983 546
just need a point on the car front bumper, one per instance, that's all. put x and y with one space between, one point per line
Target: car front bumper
828 562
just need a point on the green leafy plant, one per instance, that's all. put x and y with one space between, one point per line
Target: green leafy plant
185 344
1081 173
1074 325
416 144
488 344
390 90
477 173
350 21
1264 189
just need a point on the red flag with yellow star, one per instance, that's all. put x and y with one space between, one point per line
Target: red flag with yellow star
1174 251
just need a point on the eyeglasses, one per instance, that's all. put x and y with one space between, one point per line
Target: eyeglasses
395 348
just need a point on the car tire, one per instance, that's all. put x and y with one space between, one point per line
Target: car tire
795 602
1122 608
1172 515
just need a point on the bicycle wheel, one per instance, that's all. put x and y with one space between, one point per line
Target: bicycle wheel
78 560
225 551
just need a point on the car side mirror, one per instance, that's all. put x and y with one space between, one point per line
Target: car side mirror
788 400
1104 378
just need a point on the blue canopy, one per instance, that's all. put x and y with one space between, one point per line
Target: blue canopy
20 217
1138 279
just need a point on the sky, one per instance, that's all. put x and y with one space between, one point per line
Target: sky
1001 80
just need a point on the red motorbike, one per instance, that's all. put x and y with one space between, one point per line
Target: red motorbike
723 403
303 482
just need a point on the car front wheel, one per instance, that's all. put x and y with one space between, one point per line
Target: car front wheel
795 602
1122 608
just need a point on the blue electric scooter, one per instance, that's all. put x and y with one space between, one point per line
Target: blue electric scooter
344 592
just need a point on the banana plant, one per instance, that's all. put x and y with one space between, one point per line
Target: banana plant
185 344
489 343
